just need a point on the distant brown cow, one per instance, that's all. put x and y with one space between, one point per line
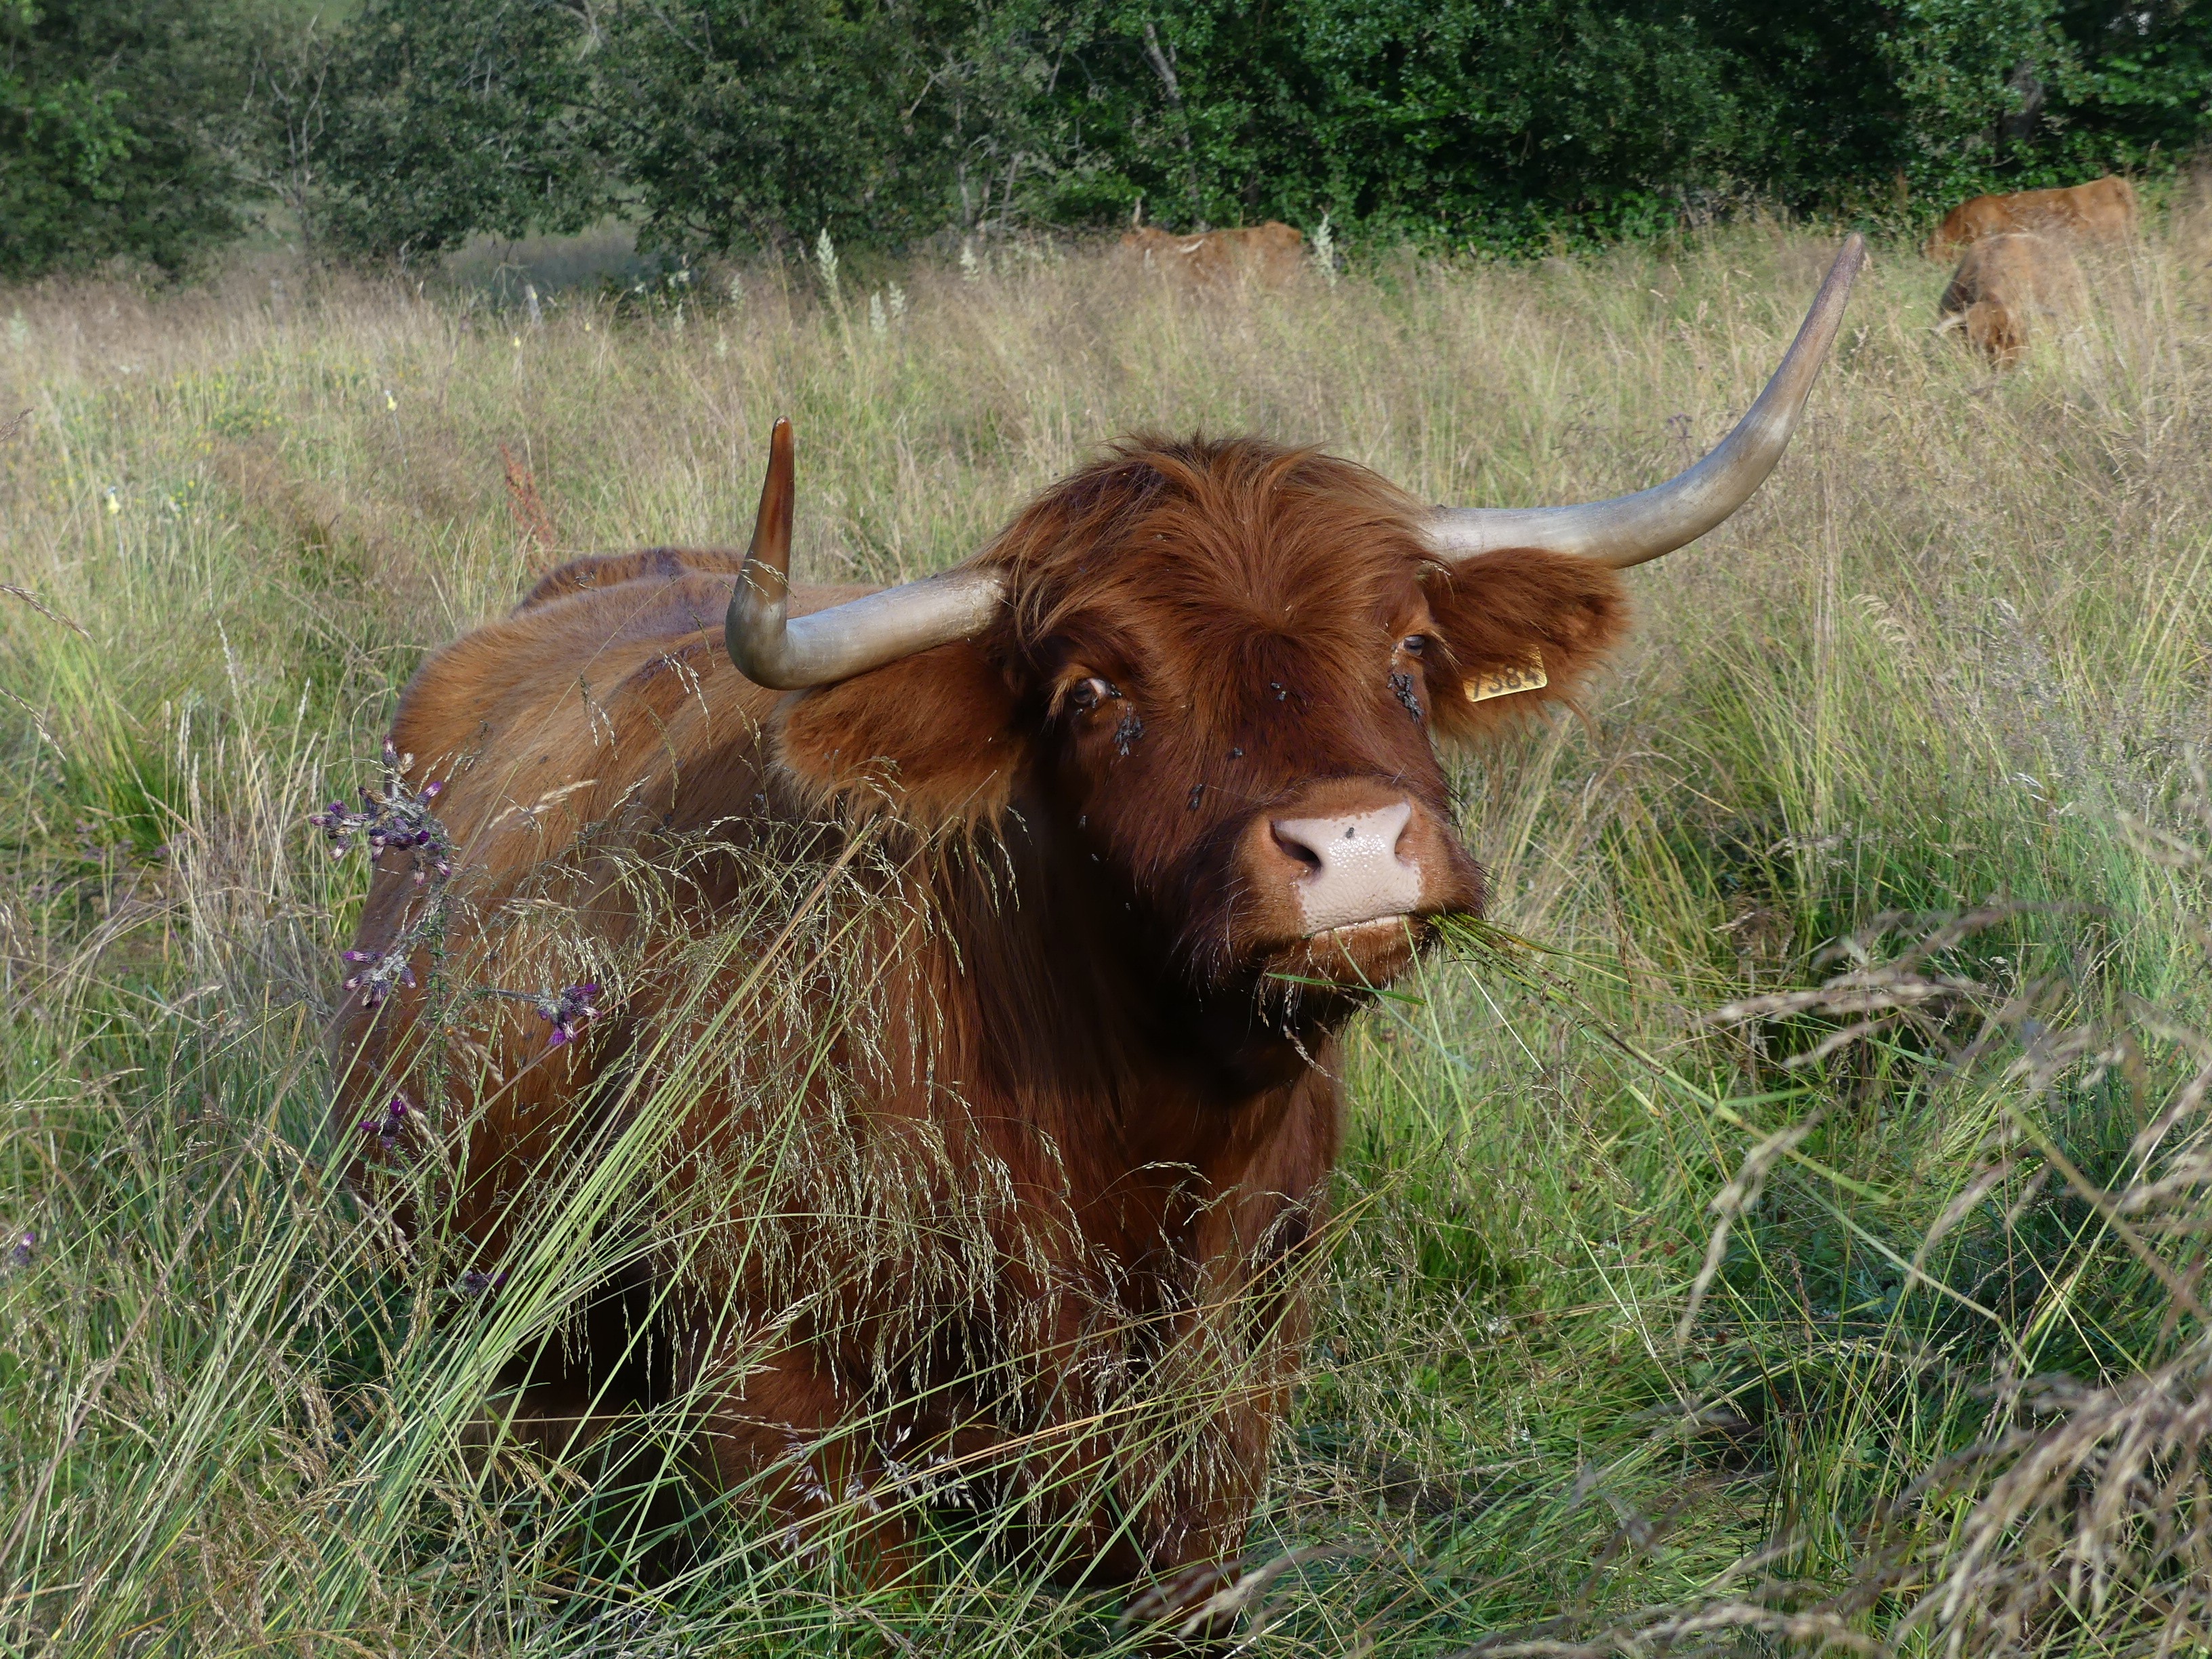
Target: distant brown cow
981 950
1270 254
2104 209
2008 287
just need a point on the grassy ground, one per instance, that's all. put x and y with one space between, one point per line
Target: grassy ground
1801 1248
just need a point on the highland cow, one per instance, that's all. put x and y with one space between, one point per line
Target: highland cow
987 945
2104 209
2009 288
1270 255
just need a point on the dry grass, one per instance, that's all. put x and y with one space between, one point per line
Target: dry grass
1808 1252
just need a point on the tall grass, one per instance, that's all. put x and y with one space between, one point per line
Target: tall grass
1783 1226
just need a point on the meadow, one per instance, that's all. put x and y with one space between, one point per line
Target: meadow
1785 1228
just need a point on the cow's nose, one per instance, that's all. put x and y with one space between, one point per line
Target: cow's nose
1354 867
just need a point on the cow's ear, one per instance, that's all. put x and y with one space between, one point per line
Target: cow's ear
1511 618
930 740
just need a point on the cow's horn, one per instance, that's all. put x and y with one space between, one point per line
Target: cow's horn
848 639
1630 529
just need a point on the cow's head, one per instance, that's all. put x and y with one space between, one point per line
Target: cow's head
1217 674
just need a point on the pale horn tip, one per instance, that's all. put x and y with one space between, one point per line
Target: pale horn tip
1627 530
773 649
754 628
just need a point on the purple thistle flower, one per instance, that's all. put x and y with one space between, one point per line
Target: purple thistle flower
474 1283
25 1247
396 818
380 972
386 1124
568 1010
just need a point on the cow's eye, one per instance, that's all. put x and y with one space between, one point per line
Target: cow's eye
1089 694
1413 644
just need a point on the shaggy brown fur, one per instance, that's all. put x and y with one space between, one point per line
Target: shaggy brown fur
1270 254
1062 1071
2104 209
2008 287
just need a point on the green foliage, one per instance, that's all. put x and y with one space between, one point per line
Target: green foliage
722 126
2140 80
1511 126
113 139
398 128
445 119
738 124
1462 118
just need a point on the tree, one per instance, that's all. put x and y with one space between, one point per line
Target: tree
758 123
444 117
117 133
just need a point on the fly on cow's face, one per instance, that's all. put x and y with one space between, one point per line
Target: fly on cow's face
1131 728
1403 685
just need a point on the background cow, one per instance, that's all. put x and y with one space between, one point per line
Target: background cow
2104 209
972 956
2007 288
1271 254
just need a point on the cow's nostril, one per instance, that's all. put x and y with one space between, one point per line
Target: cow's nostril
1350 869
1299 851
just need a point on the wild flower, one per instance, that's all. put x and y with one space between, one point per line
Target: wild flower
568 1010
25 1247
387 1125
475 1283
971 268
879 325
825 256
897 297
378 973
1325 250
397 817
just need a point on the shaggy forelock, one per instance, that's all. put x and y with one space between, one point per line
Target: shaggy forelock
1222 542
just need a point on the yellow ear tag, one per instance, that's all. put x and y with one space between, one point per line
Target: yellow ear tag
1527 676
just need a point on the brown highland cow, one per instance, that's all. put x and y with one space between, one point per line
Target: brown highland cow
2104 209
971 958
1270 255
2009 288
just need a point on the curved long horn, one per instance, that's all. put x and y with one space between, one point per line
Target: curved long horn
790 654
1629 529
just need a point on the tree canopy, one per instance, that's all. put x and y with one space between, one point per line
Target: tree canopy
149 128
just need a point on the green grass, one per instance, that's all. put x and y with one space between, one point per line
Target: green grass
1610 1355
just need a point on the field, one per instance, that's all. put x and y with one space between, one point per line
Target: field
1798 1242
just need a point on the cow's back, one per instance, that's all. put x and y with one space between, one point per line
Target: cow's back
575 741
2102 209
1269 254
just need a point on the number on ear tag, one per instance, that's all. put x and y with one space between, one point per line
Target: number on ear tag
1527 676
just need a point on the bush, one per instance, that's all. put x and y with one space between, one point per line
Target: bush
448 120
113 135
